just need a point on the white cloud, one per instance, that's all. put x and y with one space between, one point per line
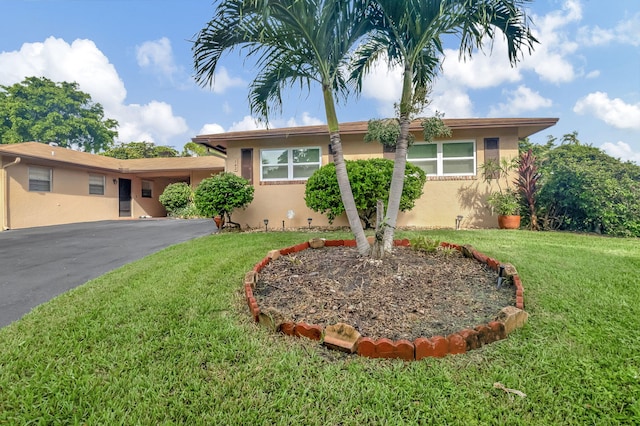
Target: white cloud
621 150
383 84
593 74
223 81
247 123
82 62
153 122
157 55
482 70
550 57
520 100
628 32
211 128
453 101
625 32
614 112
306 120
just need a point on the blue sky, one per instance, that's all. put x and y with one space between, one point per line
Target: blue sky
134 57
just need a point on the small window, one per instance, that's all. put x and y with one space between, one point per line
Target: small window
40 179
444 158
492 154
96 184
246 164
289 163
147 189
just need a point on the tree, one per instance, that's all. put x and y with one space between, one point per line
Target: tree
370 180
39 110
192 149
132 150
584 189
221 194
301 42
408 34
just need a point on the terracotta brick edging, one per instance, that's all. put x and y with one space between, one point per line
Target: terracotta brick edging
345 338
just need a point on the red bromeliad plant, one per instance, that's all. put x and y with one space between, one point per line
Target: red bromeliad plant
527 183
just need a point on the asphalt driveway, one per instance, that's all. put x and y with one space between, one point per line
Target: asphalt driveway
38 264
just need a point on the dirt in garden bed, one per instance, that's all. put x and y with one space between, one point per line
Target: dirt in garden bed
408 295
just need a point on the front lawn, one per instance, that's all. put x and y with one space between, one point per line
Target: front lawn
168 340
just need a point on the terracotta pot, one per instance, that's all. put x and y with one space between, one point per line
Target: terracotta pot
219 221
508 222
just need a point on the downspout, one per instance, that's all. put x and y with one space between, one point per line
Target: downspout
5 191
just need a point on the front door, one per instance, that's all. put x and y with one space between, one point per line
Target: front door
125 197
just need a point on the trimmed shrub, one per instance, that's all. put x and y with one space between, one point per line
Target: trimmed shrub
221 194
370 181
176 196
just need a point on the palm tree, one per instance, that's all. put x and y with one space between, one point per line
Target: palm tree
295 42
408 33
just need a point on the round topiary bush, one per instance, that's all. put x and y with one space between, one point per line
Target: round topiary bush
176 196
219 195
370 181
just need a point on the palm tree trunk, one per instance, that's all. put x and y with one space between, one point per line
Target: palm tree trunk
343 178
397 184
400 161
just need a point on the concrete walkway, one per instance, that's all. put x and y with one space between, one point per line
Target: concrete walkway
38 264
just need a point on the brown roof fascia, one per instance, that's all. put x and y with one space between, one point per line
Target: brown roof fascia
43 152
528 127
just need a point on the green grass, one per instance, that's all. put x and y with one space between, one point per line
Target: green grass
168 340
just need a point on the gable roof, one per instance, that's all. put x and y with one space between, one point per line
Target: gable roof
525 126
41 151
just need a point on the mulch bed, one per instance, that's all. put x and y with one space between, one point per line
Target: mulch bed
409 294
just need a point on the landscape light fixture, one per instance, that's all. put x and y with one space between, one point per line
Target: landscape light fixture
283 225
266 222
309 219
501 277
458 221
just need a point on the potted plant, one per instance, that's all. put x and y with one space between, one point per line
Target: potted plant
506 204
505 201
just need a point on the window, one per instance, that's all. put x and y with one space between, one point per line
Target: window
289 164
96 184
147 189
492 154
40 179
444 158
246 164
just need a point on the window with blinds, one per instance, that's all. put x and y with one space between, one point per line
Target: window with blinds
96 184
147 189
40 179
454 158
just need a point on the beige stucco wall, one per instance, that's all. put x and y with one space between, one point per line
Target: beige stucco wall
442 201
69 200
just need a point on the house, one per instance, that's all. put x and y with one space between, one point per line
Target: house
49 185
278 162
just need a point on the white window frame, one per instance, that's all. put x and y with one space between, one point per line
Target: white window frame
290 164
143 189
440 159
33 171
96 182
